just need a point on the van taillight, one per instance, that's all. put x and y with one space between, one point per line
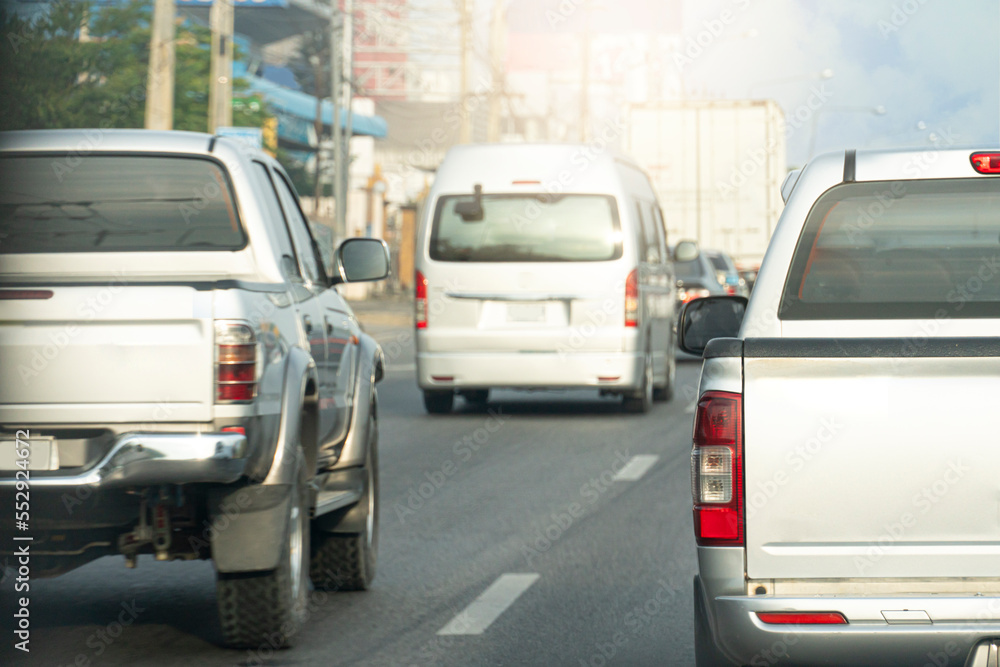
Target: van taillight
632 299
420 307
717 470
236 370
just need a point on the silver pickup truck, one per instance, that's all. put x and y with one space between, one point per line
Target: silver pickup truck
846 450
178 375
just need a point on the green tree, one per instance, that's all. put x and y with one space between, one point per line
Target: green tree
81 65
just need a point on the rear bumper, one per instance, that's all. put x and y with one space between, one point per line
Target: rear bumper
961 632
485 370
144 459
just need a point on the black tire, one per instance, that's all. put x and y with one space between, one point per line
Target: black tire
438 402
268 608
666 392
639 401
706 653
346 562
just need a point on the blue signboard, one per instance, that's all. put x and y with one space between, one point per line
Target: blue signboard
252 136
238 3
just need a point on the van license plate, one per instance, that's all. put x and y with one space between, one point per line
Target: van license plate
43 454
526 313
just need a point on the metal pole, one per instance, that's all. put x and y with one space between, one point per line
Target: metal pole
466 130
497 33
336 72
220 90
160 78
343 175
585 76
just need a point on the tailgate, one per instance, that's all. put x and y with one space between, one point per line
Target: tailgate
107 354
860 465
544 307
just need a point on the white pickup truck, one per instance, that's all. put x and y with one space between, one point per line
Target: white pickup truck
179 376
846 450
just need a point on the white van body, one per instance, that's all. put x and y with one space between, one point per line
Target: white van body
533 294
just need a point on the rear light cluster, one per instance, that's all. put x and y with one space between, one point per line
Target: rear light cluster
691 294
420 306
986 163
717 470
236 366
632 299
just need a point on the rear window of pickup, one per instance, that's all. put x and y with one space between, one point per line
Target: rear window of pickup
898 250
115 203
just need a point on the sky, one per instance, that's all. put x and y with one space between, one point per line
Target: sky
933 65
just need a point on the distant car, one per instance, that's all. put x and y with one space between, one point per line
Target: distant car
696 279
727 273
525 282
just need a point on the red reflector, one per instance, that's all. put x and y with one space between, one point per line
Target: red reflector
810 618
234 429
235 392
18 294
632 299
526 183
443 378
986 163
237 372
609 379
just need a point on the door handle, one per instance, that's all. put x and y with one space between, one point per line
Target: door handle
329 327
307 323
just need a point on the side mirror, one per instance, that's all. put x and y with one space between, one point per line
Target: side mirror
472 211
702 320
362 260
686 251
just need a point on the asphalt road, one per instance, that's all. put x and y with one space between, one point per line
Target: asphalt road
550 530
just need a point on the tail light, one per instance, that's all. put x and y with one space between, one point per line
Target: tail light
717 470
802 618
986 163
420 306
691 294
632 299
236 367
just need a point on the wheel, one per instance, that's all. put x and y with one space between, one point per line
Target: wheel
438 402
477 398
706 653
268 608
346 562
639 401
666 392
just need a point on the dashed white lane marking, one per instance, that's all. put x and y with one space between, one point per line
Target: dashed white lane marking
474 619
636 467
402 368
689 410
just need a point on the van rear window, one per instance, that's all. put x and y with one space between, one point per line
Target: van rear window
115 203
899 250
527 228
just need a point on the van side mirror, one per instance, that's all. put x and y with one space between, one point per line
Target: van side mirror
362 260
702 320
472 211
686 251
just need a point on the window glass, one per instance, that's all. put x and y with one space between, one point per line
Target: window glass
277 222
528 228
108 203
908 249
299 229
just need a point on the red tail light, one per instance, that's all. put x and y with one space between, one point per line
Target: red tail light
235 363
20 294
717 470
420 307
632 299
986 163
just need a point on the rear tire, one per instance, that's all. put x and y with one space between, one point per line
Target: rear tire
477 398
346 562
438 402
639 401
666 392
268 608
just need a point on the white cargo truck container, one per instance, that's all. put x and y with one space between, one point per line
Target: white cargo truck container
717 166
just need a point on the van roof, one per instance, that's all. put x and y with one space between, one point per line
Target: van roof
532 167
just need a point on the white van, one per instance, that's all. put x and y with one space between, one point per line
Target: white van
543 267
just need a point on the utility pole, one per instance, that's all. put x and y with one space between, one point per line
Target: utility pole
347 97
585 75
220 87
160 78
465 21
497 34
336 88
